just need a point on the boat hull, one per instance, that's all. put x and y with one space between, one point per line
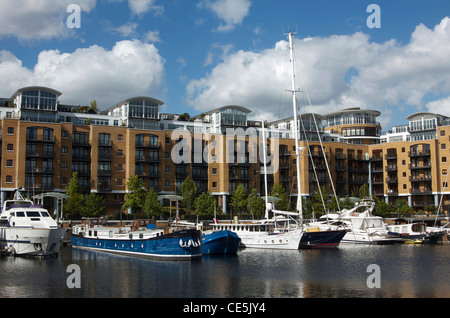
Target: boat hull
322 239
369 238
31 241
221 242
180 245
280 241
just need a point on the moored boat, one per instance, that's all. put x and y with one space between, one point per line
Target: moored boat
220 242
416 232
149 243
27 229
314 237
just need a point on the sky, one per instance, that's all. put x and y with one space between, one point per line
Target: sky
198 55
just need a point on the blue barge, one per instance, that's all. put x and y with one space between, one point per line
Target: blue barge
220 242
148 243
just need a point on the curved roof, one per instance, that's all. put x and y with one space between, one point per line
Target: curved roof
318 117
245 110
354 110
157 101
42 88
424 113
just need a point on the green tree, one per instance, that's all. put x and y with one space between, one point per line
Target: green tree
94 107
189 193
73 206
205 204
364 191
184 117
256 204
346 203
382 208
238 199
135 197
94 205
278 191
318 205
152 206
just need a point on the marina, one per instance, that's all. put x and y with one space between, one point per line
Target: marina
410 271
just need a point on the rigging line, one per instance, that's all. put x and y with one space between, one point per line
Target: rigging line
442 196
320 139
313 164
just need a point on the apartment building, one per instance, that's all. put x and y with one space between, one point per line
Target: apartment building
43 142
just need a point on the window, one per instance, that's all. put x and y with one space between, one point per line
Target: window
166 169
403 149
63 180
214 170
9 163
442 132
104 139
444 159
214 184
9 179
63 165
444 171
10 130
119 182
167 155
120 153
443 146
64 150
65 134
119 167
120 137
403 162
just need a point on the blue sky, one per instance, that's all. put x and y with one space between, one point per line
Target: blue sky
201 54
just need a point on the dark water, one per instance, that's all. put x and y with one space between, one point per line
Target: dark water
406 271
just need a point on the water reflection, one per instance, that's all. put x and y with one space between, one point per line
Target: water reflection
406 271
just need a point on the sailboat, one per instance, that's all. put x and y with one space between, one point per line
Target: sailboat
313 237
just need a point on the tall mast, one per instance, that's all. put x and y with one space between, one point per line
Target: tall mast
294 105
265 171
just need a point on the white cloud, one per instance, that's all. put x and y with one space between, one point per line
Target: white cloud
141 7
152 36
35 20
130 68
127 29
231 12
440 106
339 71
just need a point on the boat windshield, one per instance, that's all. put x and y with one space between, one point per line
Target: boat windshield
371 223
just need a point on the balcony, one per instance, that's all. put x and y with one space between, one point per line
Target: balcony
420 178
423 153
104 187
418 166
146 144
390 156
391 168
421 191
392 180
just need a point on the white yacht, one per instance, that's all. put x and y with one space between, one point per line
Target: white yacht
27 229
362 226
278 232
